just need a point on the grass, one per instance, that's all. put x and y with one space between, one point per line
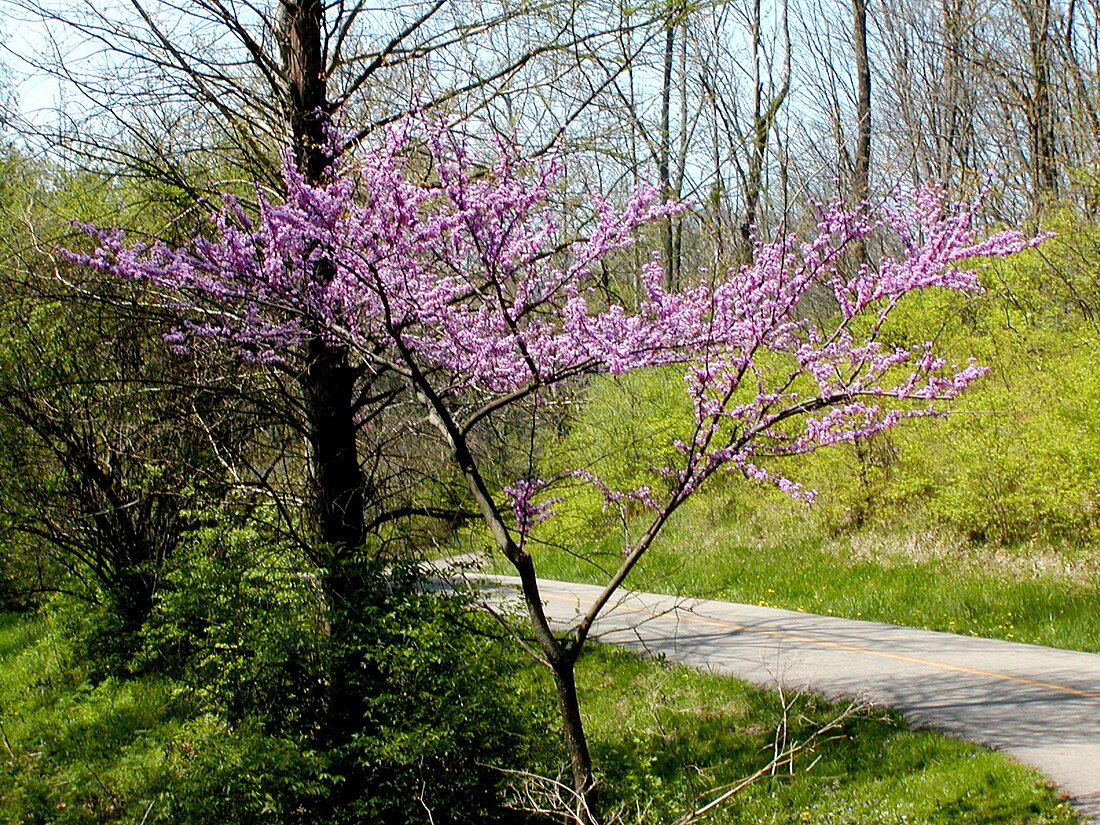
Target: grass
74 752
667 738
664 740
780 556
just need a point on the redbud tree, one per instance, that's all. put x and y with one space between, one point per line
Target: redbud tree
448 275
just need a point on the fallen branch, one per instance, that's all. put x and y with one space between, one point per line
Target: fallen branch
784 757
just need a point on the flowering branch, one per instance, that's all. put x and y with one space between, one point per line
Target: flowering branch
459 285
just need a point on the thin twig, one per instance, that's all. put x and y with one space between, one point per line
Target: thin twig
550 797
782 759
7 743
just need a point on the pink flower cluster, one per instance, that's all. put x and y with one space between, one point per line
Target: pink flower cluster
460 278
526 510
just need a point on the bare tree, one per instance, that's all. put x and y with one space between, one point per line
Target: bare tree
861 161
1038 96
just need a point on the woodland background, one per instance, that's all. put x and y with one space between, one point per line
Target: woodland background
178 604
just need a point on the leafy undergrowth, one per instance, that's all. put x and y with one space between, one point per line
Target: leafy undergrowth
130 751
665 739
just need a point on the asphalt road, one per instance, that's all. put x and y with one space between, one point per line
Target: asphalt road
1040 705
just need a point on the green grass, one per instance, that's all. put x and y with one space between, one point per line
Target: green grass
666 738
780 555
663 738
76 752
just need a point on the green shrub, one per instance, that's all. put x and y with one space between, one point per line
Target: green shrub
1016 460
239 621
394 702
622 427
439 715
243 775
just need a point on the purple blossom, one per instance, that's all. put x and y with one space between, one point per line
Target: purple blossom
526 510
456 279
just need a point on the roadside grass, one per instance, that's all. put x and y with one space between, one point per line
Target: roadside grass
772 552
667 739
664 738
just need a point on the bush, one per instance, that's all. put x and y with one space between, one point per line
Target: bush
239 622
243 776
622 426
230 717
398 703
1017 460
439 714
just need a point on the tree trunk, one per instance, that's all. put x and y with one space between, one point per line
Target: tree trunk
755 177
576 744
328 389
328 380
953 132
861 167
762 121
307 103
664 155
1039 105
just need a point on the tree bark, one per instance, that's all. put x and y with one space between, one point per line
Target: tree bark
576 744
328 389
328 380
861 166
327 385
664 155
762 121
1039 104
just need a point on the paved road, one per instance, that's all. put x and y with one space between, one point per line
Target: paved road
1039 704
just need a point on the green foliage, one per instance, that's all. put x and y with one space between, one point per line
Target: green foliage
17 580
1017 458
243 775
76 753
134 750
399 695
92 476
241 732
438 717
623 425
1020 463
124 752
238 621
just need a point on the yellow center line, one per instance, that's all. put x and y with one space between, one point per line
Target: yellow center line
900 657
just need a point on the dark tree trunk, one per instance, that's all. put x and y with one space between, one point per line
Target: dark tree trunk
328 380
328 390
1039 105
576 743
308 107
